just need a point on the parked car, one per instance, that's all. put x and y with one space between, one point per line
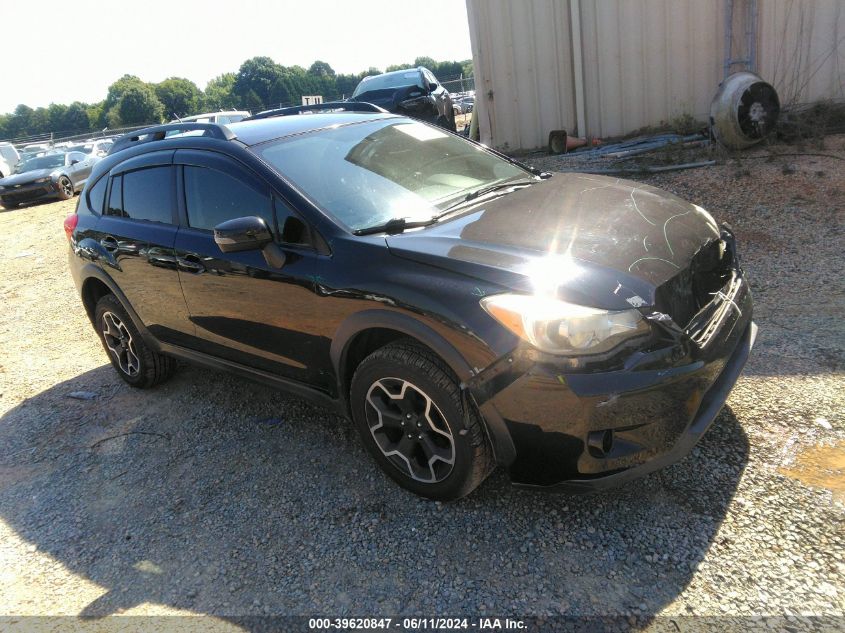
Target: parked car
43 177
97 148
224 118
414 92
464 311
9 158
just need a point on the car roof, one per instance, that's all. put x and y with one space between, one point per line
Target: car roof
261 130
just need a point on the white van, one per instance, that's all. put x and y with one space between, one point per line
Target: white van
9 158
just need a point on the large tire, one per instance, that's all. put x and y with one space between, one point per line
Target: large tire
65 188
403 387
130 356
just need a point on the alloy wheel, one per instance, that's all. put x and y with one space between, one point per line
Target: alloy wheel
120 343
410 430
67 187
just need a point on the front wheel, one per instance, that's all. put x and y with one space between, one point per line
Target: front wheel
135 362
410 413
65 187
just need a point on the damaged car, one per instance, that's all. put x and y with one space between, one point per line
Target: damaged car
414 92
465 311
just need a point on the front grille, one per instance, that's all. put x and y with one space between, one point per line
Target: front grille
683 296
24 196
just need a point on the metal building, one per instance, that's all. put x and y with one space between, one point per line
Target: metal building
609 67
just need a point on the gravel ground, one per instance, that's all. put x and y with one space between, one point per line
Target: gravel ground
213 495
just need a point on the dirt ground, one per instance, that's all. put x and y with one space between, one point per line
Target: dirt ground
212 495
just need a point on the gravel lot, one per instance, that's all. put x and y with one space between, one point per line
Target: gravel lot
214 495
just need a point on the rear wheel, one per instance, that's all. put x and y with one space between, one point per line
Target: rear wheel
132 358
410 413
65 188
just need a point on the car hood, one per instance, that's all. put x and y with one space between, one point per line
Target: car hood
390 98
597 241
25 177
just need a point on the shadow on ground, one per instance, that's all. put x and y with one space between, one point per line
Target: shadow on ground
215 495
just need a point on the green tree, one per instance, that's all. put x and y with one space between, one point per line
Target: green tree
180 97
321 69
119 88
138 105
75 118
257 80
96 116
56 115
218 93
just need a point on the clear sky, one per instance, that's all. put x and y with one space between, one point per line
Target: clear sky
71 51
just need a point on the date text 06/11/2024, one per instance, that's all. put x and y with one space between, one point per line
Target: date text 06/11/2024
417 624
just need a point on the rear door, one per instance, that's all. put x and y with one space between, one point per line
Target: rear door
244 309
138 230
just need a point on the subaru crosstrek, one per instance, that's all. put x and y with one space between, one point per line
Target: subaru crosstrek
463 309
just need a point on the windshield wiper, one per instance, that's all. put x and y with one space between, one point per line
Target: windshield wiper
393 226
472 195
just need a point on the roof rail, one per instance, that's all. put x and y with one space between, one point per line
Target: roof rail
349 106
159 132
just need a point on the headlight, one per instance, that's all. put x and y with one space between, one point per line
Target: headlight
558 327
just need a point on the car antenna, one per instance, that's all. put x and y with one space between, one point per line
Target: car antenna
177 117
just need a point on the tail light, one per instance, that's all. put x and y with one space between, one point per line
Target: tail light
70 225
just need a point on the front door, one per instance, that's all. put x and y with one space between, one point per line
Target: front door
245 309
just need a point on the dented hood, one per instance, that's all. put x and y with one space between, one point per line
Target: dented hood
593 240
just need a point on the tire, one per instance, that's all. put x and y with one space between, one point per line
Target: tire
9 205
65 187
131 357
404 385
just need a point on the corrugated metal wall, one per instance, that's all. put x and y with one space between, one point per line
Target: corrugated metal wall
644 62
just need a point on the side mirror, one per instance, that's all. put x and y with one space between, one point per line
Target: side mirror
73 161
242 234
432 87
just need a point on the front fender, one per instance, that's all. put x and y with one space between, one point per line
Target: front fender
495 427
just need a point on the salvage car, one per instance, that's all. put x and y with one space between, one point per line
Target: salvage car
414 92
464 310
52 176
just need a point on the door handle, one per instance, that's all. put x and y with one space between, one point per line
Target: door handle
109 243
191 264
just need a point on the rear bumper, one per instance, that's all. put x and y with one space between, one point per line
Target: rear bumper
591 430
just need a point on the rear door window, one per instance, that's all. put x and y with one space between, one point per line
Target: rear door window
145 194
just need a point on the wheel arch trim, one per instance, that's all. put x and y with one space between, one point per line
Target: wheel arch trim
91 271
503 447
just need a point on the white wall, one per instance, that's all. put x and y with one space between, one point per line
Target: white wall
644 62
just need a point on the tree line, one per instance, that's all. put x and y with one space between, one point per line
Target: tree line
259 83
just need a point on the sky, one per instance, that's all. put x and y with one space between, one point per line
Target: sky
97 42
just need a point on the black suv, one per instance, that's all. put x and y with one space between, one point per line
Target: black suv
463 309
414 92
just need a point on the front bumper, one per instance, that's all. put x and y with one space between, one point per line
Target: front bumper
28 193
590 430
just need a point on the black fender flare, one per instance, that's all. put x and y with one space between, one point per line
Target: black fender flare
401 322
503 447
92 271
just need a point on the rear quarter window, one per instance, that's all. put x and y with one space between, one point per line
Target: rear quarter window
96 197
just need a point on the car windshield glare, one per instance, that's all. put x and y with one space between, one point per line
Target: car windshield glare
365 174
389 81
42 162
